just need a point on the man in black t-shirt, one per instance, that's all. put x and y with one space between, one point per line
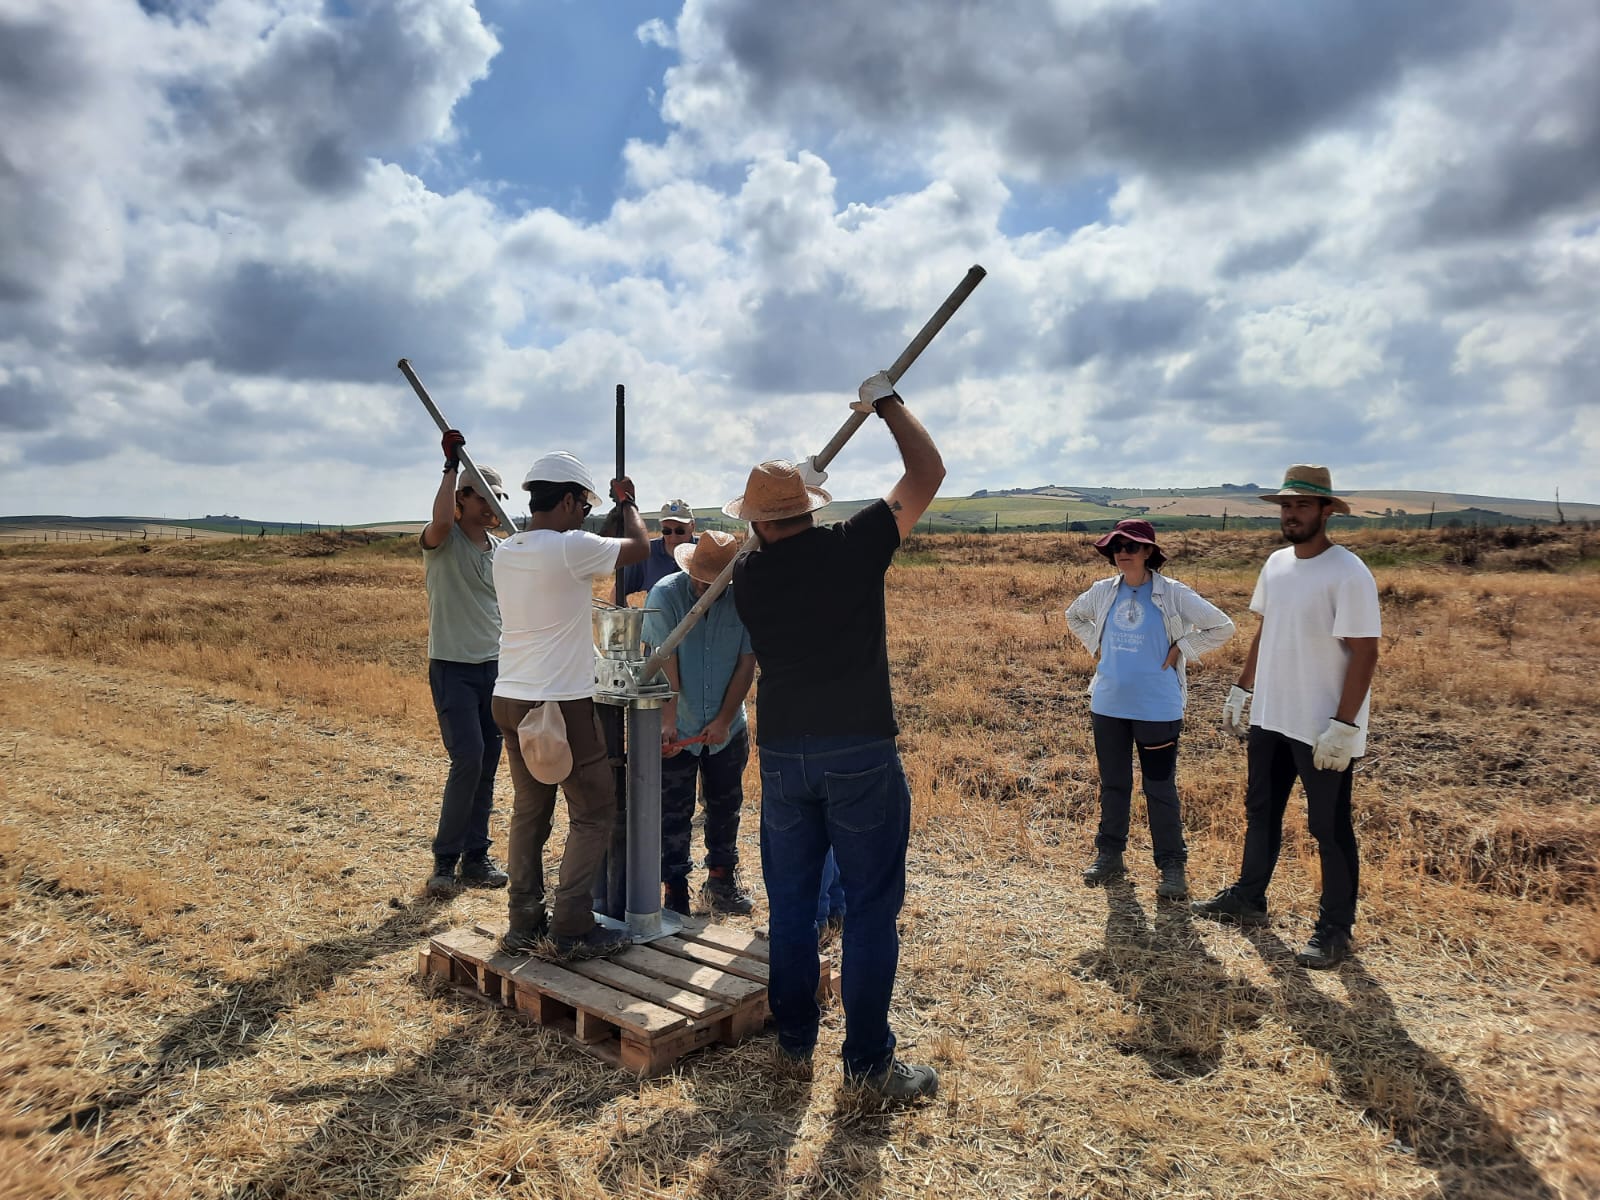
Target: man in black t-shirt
811 597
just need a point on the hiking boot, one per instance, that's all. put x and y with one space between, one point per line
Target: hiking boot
1327 948
443 884
596 943
481 871
1107 867
675 896
1174 883
898 1082
723 893
1227 905
529 931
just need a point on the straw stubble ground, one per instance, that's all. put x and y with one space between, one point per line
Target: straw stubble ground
221 770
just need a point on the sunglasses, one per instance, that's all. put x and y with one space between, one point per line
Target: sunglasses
1126 547
675 530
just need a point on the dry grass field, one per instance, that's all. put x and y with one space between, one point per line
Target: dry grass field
219 772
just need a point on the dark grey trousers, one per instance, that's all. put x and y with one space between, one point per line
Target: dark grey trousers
1115 740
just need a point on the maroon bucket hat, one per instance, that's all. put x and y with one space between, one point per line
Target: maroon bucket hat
1133 530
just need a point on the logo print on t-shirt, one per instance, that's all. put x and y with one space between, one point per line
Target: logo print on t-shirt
1128 614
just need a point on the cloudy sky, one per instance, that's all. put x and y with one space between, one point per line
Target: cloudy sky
1220 239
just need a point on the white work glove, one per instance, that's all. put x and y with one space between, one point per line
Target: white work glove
813 475
873 388
1233 712
1336 747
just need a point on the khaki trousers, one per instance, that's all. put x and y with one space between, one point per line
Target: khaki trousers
591 811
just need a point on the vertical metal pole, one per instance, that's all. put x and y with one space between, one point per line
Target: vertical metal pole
644 821
617 742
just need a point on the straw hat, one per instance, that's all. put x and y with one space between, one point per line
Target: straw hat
704 560
542 736
774 491
1304 480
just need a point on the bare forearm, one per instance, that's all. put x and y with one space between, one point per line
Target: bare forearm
443 515
1247 673
924 467
738 687
1358 674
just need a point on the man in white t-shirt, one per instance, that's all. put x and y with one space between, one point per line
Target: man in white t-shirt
544 578
1310 668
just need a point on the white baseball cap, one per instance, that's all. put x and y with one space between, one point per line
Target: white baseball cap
561 467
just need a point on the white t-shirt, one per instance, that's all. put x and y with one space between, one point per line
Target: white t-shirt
544 582
1307 605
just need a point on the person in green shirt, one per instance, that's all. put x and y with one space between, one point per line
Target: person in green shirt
463 664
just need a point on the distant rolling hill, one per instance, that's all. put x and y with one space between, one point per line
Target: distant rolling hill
1053 506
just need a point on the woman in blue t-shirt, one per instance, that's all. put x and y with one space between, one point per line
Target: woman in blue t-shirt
1145 628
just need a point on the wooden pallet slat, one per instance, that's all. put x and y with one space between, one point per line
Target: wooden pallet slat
641 1010
711 956
671 968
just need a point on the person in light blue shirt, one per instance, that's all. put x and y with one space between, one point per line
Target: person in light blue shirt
1145 628
704 735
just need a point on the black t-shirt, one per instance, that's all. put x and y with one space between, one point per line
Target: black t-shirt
813 604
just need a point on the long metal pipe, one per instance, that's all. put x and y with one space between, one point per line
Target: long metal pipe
915 347
643 911
506 521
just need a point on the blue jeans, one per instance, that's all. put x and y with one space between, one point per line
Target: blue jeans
461 696
830 898
849 793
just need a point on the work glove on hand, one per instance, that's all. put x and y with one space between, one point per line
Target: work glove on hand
1233 720
622 492
873 389
451 443
1336 747
813 475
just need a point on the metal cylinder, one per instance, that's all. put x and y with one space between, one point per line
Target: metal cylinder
644 820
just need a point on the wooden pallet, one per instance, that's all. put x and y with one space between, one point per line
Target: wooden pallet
641 1009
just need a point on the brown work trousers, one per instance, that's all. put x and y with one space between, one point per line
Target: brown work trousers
591 811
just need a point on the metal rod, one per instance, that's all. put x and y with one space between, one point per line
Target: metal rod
621 743
487 492
643 911
902 364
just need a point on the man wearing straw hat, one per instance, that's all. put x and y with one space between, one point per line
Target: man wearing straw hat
812 597
463 660
1307 681
704 735
544 700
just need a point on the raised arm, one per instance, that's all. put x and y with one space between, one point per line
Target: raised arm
924 468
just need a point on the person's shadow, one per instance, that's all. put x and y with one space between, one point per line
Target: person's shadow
1188 1003
242 1017
1402 1087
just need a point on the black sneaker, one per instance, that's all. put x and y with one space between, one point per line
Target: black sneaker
481 871
1227 905
675 896
723 893
1107 867
1327 948
443 884
1174 883
898 1082
596 943
529 932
